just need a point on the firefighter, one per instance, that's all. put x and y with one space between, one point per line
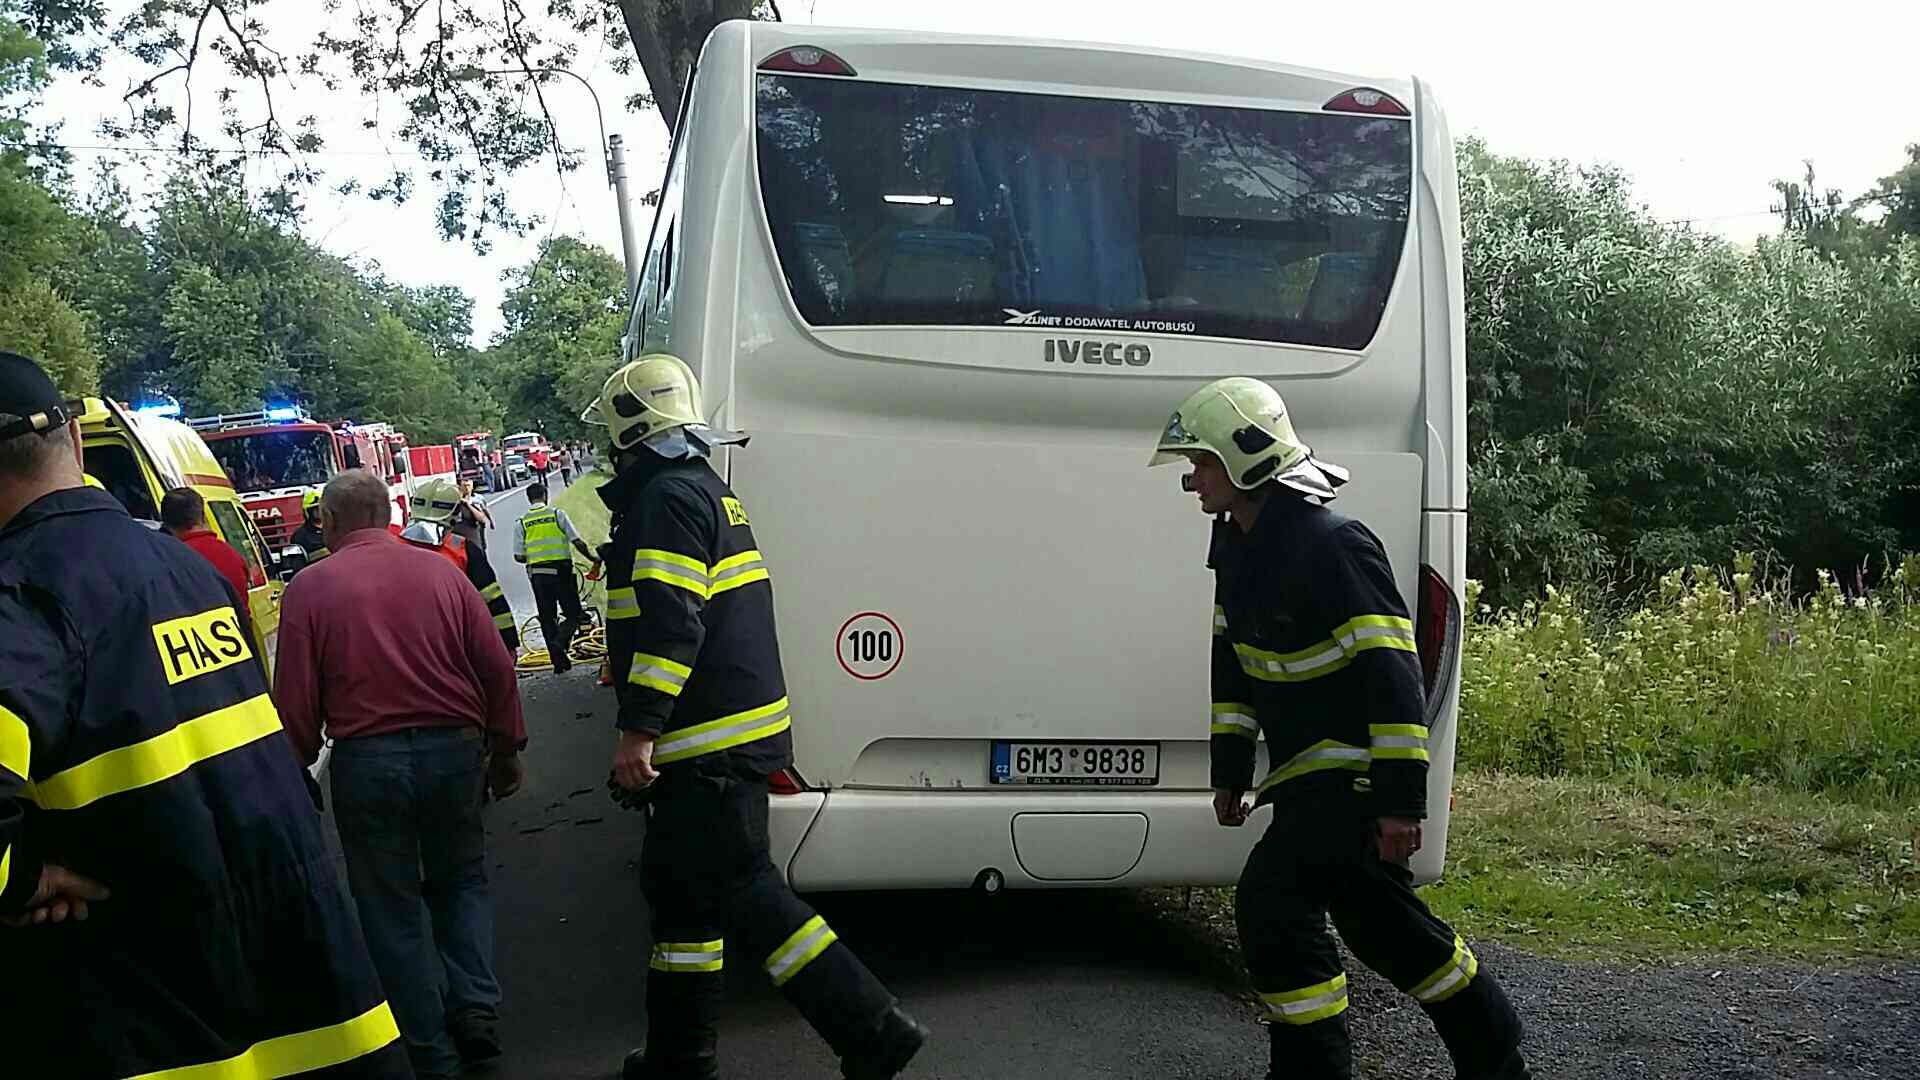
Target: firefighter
704 721
146 788
541 542
434 505
308 537
1313 649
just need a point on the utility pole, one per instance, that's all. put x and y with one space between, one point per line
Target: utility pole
629 242
612 155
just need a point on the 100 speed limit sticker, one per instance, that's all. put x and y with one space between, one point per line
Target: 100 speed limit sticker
870 646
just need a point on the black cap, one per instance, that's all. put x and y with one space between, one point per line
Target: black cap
29 396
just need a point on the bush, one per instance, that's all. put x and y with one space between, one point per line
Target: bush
1727 678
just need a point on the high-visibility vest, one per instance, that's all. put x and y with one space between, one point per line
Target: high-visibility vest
545 541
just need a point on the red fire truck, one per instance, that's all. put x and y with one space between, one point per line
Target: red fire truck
277 455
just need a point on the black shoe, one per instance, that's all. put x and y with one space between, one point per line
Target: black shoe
898 1038
637 1067
474 1036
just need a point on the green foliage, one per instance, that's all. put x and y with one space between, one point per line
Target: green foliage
563 321
36 321
1642 396
1731 680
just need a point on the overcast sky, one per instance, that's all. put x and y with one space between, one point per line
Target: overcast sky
1702 101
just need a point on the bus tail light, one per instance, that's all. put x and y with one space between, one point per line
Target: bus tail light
1436 631
786 782
1365 99
806 60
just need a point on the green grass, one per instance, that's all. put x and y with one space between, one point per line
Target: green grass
1653 866
1661 869
1718 678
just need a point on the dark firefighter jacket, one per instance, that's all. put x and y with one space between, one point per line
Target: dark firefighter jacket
138 747
690 618
311 540
1313 649
471 558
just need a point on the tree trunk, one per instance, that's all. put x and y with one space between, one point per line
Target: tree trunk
667 36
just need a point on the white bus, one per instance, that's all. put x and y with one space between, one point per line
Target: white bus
954 286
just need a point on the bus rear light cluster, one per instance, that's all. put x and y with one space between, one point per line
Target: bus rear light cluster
806 60
1365 99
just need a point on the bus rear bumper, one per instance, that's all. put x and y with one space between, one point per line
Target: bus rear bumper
856 839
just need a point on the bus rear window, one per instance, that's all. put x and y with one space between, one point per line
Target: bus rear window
928 206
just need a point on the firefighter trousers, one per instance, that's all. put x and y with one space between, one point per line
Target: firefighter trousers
718 901
555 593
1306 868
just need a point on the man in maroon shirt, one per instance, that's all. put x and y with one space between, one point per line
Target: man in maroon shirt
422 705
184 514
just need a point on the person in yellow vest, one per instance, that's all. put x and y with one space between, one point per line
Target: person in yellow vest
541 542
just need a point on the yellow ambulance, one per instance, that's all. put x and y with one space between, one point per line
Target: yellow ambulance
140 456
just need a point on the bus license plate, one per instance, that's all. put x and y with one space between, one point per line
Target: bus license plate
1099 764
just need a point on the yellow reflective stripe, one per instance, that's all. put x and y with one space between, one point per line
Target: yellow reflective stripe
737 570
1219 620
16 746
1309 1004
687 956
1399 742
671 558
1452 977
696 586
658 673
1317 660
1233 718
162 757
1321 756
1375 632
6 866
503 621
492 592
291 1055
799 950
723 734
317 554
622 604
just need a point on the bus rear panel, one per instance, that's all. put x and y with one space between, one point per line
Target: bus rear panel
954 287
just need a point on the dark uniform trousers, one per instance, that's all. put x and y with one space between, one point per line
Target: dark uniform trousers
1308 867
556 593
715 894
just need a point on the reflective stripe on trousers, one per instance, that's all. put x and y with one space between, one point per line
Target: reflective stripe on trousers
802 948
1309 1003
687 956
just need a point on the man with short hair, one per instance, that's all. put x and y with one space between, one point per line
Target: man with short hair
541 543
183 514
420 699
140 752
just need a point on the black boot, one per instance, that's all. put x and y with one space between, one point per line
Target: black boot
474 1036
888 1050
637 1067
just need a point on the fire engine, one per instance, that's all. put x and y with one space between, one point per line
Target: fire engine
278 454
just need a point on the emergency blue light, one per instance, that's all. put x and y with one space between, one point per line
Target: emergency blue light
159 408
284 412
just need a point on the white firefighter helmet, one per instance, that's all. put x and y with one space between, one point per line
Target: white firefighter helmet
654 394
1244 423
436 500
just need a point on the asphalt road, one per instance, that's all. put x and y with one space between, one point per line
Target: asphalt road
1056 985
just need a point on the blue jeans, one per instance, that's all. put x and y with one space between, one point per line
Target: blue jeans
408 809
